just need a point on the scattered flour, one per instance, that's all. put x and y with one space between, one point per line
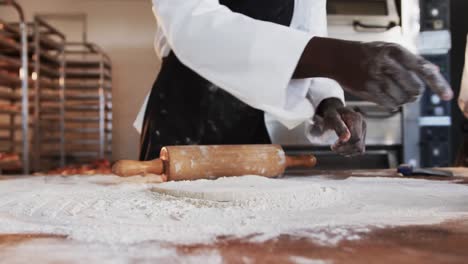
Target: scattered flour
301 260
109 210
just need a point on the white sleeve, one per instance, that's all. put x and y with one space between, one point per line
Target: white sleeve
252 60
323 88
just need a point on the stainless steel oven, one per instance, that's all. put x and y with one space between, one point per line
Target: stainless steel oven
391 135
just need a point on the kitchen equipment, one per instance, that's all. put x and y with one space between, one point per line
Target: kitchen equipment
435 15
85 114
65 99
376 20
435 122
14 86
48 93
88 103
206 162
362 16
418 133
408 170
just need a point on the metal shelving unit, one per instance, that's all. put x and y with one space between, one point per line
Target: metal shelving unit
47 46
14 90
55 97
88 103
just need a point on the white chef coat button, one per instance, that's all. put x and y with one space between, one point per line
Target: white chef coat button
435 99
439 111
213 88
435 12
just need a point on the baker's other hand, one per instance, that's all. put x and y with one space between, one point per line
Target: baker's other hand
463 97
380 72
463 106
349 125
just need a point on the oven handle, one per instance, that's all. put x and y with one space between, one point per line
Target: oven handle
374 115
361 27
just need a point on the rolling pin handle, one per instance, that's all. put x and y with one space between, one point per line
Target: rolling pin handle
307 161
127 168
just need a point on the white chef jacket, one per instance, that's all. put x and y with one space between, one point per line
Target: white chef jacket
251 59
463 99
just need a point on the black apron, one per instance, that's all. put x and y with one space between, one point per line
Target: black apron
186 109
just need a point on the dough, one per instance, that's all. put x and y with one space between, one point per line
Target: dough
246 188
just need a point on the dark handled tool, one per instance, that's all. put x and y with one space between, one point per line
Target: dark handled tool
408 170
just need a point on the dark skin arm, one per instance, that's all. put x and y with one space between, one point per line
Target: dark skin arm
380 72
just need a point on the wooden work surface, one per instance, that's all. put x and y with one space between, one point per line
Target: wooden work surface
443 243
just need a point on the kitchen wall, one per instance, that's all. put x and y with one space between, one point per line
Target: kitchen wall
125 30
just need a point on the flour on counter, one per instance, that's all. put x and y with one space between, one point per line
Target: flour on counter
107 209
252 189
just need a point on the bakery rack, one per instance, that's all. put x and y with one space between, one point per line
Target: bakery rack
47 46
55 97
88 103
14 90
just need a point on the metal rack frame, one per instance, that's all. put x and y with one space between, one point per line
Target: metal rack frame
48 57
66 111
89 95
79 18
16 40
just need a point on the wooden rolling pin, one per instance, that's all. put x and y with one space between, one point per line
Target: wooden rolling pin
208 162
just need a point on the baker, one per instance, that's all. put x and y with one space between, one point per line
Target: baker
228 63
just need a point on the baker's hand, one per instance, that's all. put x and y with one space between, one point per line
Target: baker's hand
463 96
463 106
349 125
380 72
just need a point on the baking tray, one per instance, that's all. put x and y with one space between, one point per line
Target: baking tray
8 62
87 64
9 44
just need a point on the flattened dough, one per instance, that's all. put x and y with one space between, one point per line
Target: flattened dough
245 188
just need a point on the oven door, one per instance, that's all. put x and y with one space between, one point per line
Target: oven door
363 14
365 20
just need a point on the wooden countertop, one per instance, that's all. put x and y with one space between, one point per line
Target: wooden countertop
443 243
